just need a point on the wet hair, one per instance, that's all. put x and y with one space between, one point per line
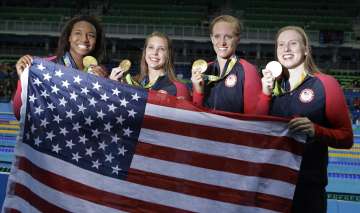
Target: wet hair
169 61
309 63
229 19
64 45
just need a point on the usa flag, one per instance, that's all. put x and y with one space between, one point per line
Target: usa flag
89 144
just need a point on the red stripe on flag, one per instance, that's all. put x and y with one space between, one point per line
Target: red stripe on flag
36 201
208 191
223 135
88 193
217 162
8 210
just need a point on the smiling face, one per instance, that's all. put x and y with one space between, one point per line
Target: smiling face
156 53
82 39
224 39
290 49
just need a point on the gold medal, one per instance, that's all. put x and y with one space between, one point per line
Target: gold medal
200 65
89 61
125 65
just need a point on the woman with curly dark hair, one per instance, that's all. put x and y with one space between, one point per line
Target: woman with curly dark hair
81 36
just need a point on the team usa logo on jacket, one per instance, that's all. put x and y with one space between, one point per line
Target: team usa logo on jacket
231 80
306 95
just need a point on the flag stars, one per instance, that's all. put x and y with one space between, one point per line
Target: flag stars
69 114
114 139
50 135
44 94
69 144
56 148
115 92
77 79
76 127
63 102
54 89
127 132
81 108
120 119
132 113
122 151
107 127
88 121
44 122
65 84
73 96
83 139
63 131
123 102
96 86
109 157
96 164
92 101
100 114
50 106
57 119
135 97
84 90
41 67
95 133
37 141
104 97
112 108
89 151
102 145
32 128
76 156
38 110
59 73
32 98
37 82
116 169
47 77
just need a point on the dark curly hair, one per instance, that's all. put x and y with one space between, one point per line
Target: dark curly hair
64 44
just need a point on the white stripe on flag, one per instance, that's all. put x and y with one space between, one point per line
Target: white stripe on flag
14 202
208 119
72 204
238 152
128 189
214 177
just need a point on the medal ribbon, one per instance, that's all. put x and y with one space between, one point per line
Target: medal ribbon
278 89
214 78
131 81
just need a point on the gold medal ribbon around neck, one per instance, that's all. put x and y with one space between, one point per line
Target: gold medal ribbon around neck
278 90
131 81
214 78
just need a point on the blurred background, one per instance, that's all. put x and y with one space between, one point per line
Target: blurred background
33 27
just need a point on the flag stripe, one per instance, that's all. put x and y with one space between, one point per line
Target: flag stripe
84 192
238 152
217 163
36 201
17 205
273 128
222 134
131 190
209 191
207 176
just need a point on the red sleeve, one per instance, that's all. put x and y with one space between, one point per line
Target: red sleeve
198 98
17 100
182 91
255 102
339 134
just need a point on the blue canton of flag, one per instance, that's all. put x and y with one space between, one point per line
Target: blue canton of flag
83 119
